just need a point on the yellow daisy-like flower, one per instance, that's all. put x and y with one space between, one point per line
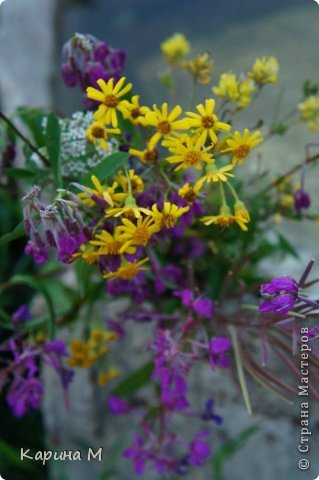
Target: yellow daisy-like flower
136 234
190 192
128 270
92 196
137 184
225 218
110 244
97 133
265 70
110 98
206 121
214 174
164 122
241 145
87 254
133 111
234 90
169 215
188 154
309 111
106 377
149 155
175 47
129 209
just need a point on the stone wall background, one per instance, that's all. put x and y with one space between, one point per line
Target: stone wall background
31 34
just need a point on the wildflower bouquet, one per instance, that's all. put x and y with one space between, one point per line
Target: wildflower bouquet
158 206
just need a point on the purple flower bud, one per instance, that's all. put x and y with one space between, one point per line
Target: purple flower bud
101 51
302 200
69 76
218 348
117 405
281 304
21 315
279 285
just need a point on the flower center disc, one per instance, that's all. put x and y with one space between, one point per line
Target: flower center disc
191 158
141 236
242 151
111 101
98 132
208 122
128 272
164 127
168 220
114 247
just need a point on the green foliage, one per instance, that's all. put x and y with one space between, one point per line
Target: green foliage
53 135
228 449
107 166
135 381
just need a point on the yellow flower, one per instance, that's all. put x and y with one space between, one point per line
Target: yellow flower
175 47
109 244
148 155
128 270
97 133
214 174
133 111
188 155
309 111
234 90
106 377
91 196
136 182
169 215
265 70
206 121
130 209
87 253
200 68
164 122
110 98
241 145
189 192
225 218
286 200
136 234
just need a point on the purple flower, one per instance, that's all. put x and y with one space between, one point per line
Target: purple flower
117 405
302 200
200 449
279 285
68 245
24 395
283 293
53 353
39 253
202 306
209 413
22 314
137 454
218 348
281 304
69 76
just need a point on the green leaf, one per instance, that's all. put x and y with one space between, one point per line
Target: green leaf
135 381
33 118
286 247
16 233
107 166
53 138
11 456
19 173
228 449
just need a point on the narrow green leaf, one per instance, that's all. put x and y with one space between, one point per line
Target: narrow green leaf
135 381
107 166
240 370
11 455
53 137
19 173
16 233
228 449
286 246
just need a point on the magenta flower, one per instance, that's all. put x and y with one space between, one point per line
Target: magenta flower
202 306
283 292
117 405
200 449
22 314
218 348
